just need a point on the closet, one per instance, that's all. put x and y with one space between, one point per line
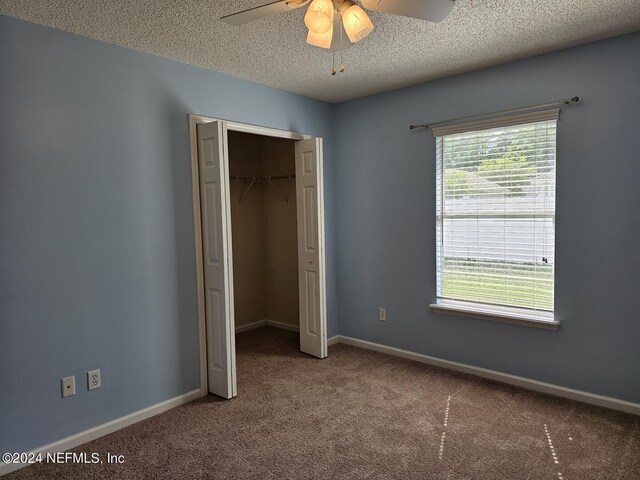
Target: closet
263 205
259 240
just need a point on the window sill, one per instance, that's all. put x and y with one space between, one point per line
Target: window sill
514 319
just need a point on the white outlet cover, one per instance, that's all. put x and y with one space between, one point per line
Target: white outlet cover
94 380
68 386
382 314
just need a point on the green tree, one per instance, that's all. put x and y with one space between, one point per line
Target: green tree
457 183
511 171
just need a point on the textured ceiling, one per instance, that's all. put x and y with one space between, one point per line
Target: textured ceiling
399 52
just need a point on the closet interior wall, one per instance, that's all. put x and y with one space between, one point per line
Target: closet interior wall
264 230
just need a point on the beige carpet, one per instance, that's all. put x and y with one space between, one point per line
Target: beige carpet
360 414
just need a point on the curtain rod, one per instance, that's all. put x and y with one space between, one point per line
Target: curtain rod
565 101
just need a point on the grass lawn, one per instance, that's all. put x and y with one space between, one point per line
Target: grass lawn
518 285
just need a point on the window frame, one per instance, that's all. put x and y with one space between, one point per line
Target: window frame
500 313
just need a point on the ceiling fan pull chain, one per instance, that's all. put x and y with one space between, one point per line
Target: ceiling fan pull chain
341 49
333 53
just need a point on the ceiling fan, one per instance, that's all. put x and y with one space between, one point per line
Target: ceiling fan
329 21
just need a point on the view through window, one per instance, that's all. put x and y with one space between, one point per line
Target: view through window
496 218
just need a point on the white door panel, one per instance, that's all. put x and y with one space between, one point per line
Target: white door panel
216 244
311 268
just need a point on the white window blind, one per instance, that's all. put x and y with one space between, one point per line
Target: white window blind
496 214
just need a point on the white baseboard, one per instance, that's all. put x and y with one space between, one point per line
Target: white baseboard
264 323
284 326
579 395
251 326
333 340
106 428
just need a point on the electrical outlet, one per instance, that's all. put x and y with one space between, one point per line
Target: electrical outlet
68 386
382 314
93 379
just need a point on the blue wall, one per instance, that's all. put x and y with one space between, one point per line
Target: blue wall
96 228
385 215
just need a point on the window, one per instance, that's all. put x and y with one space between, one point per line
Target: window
496 216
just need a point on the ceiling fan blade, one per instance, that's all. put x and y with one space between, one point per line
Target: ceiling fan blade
431 10
263 11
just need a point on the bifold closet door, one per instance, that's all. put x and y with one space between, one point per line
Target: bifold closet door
216 250
311 268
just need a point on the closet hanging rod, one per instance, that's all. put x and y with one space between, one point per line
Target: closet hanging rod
279 177
564 101
264 178
268 179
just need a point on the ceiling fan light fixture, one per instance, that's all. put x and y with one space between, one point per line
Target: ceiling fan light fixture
319 16
356 22
322 40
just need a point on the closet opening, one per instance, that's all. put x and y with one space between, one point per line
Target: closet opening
264 232
258 207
